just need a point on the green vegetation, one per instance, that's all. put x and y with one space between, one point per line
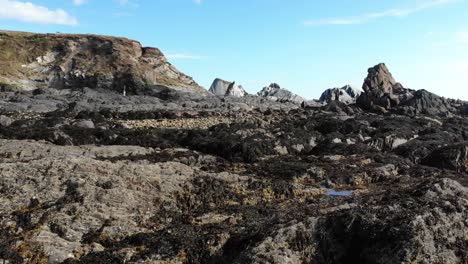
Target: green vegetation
37 39
17 49
9 87
3 36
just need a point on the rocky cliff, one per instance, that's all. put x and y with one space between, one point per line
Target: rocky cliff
29 61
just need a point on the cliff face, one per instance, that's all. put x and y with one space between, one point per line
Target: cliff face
29 61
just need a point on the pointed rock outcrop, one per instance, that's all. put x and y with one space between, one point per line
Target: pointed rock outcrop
224 88
382 93
381 90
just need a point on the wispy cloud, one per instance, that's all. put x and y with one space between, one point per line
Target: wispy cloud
361 19
197 1
123 14
29 12
129 3
79 2
462 36
184 56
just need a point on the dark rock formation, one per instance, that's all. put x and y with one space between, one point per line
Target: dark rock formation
382 93
381 90
428 103
452 157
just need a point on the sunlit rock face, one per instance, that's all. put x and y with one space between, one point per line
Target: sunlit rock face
275 93
345 94
224 88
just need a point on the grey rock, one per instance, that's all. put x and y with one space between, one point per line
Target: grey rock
312 104
5 121
224 88
85 124
275 93
443 220
345 94
277 248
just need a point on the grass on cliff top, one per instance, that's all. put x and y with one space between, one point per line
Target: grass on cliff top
5 33
9 87
19 49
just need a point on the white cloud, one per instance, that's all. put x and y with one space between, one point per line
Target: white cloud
79 2
128 3
29 12
462 36
445 78
197 1
184 56
397 12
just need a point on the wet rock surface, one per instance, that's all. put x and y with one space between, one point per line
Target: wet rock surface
237 182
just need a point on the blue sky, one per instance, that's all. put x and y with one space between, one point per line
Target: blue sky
304 45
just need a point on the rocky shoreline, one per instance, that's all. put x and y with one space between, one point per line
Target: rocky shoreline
90 175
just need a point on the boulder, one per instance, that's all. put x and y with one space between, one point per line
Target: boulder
88 124
452 157
5 121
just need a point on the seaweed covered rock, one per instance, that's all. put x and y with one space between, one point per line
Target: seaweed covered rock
452 157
